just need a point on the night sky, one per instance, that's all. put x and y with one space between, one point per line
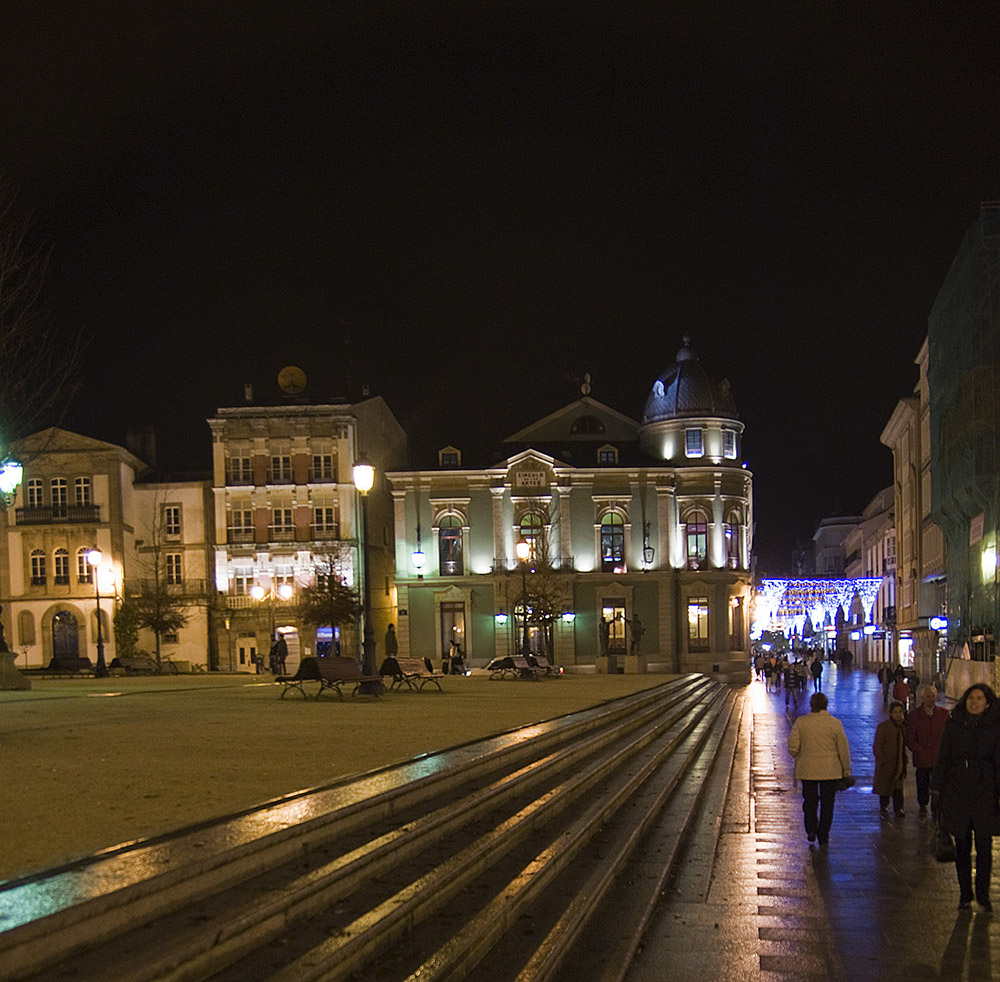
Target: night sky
469 209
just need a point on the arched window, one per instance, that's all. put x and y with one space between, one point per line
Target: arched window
696 539
533 532
450 546
60 566
83 568
37 568
612 543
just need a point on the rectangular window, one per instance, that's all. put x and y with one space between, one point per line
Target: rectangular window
282 526
241 527
240 469
607 456
34 493
694 443
83 568
242 581
698 623
175 574
729 444
60 495
82 491
325 521
171 637
172 519
322 467
281 469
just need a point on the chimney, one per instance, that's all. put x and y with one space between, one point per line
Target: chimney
247 392
141 442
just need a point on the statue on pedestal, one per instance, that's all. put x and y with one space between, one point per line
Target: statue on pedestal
10 678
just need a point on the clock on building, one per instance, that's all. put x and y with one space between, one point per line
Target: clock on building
291 380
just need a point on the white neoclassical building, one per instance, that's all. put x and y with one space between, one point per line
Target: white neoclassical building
636 538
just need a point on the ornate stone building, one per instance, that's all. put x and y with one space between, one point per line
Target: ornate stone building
637 538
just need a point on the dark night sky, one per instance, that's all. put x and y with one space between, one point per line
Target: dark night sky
469 209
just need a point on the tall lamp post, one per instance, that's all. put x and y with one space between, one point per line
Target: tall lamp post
364 480
523 550
94 558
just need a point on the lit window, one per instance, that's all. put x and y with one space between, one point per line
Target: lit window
694 443
698 623
532 530
60 566
729 444
607 455
696 538
612 543
83 568
450 546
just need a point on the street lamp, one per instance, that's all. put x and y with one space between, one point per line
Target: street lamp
523 550
11 473
364 480
94 558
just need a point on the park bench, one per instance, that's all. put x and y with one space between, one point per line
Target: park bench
512 667
409 672
65 665
543 665
138 665
329 673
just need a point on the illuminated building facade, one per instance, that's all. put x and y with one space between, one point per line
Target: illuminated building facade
284 504
644 526
80 494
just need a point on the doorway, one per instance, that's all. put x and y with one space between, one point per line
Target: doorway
65 636
452 627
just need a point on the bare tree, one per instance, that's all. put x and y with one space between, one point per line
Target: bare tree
39 365
329 601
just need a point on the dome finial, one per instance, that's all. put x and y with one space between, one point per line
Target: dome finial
685 354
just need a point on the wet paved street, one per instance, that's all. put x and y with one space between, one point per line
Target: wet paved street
768 906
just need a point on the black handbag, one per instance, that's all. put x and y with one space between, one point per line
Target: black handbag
847 781
942 845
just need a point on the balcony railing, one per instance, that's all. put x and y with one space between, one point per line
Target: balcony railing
239 480
57 514
281 533
240 533
322 476
280 477
186 588
325 531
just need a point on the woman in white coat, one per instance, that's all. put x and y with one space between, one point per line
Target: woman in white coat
822 757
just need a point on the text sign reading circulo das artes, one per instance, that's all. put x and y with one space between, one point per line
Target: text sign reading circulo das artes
530 479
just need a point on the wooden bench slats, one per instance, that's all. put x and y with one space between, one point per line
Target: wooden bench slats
409 672
330 673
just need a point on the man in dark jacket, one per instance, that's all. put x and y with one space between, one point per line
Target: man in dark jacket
924 729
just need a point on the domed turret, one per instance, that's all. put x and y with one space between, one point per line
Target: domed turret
689 418
685 390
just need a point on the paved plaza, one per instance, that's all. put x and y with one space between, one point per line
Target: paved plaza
871 905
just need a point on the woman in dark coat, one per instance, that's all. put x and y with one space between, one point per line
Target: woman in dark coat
889 747
966 778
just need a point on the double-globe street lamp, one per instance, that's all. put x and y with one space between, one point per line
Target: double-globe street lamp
364 481
94 557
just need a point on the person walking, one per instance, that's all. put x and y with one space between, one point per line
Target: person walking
817 672
889 747
924 729
822 755
901 689
965 780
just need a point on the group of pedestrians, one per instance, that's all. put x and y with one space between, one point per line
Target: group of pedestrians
956 759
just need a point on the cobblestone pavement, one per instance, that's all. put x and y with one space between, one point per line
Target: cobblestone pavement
767 905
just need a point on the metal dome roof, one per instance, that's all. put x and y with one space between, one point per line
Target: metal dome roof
685 390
